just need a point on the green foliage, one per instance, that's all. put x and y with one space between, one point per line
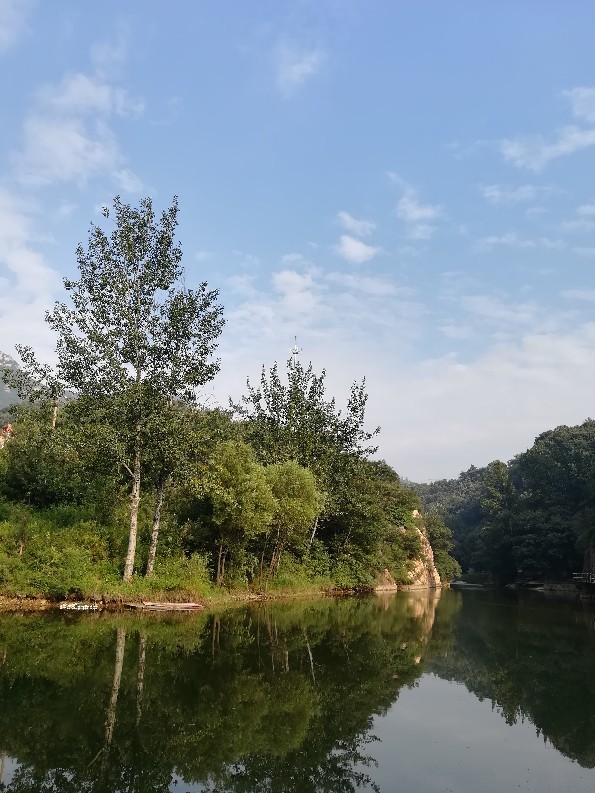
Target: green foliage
530 519
243 506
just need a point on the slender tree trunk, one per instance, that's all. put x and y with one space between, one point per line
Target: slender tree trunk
156 523
110 719
134 504
140 676
54 413
310 657
314 527
218 580
215 635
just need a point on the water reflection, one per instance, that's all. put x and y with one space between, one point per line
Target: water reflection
276 697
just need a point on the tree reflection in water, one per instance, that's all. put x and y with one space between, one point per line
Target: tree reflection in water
273 697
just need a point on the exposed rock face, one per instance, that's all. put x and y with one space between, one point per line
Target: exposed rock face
423 573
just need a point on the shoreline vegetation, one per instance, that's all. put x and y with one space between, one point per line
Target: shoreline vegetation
117 484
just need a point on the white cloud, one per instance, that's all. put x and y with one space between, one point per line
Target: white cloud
67 137
355 251
108 56
359 227
456 331
296 290
13 21
417 216
587 210
579 294
29 283
127 181
512 240
294 66
411 210
582 101
456 413
203 256
79 94
365 284
504 194
535 152
421 231
581 226
492 309
292 258
65 150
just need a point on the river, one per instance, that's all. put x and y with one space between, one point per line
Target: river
410 693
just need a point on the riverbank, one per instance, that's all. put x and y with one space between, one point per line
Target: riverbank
31 603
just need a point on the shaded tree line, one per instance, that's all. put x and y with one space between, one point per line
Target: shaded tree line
530 518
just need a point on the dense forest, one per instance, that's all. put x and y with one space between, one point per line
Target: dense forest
530 519
114 480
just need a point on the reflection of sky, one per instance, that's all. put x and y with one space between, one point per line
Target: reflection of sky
439 738
9 766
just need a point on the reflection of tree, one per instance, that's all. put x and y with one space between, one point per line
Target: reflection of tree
273 698
110 720
533 661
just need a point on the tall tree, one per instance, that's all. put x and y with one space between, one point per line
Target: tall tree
292 419
132 334
500 504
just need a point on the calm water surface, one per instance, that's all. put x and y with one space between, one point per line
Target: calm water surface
412 693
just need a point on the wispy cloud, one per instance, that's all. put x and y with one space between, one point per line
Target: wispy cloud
356 226
577 226
365 284
13 21
535 152
67 136
504 194
582 101
29 282
583 250
295 66
579 294
79 94
511 239
354 250
494 309
418 217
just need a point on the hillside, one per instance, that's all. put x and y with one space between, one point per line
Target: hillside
531 518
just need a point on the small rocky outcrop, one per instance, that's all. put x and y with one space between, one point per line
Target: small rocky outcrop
423 573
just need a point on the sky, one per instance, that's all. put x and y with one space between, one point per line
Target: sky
406 188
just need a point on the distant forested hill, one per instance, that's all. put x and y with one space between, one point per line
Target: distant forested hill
529 518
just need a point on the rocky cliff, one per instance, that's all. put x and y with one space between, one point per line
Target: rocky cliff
423 573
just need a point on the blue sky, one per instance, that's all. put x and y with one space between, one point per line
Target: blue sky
406 187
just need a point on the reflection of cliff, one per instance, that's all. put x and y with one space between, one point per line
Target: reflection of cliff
247 700
533 661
